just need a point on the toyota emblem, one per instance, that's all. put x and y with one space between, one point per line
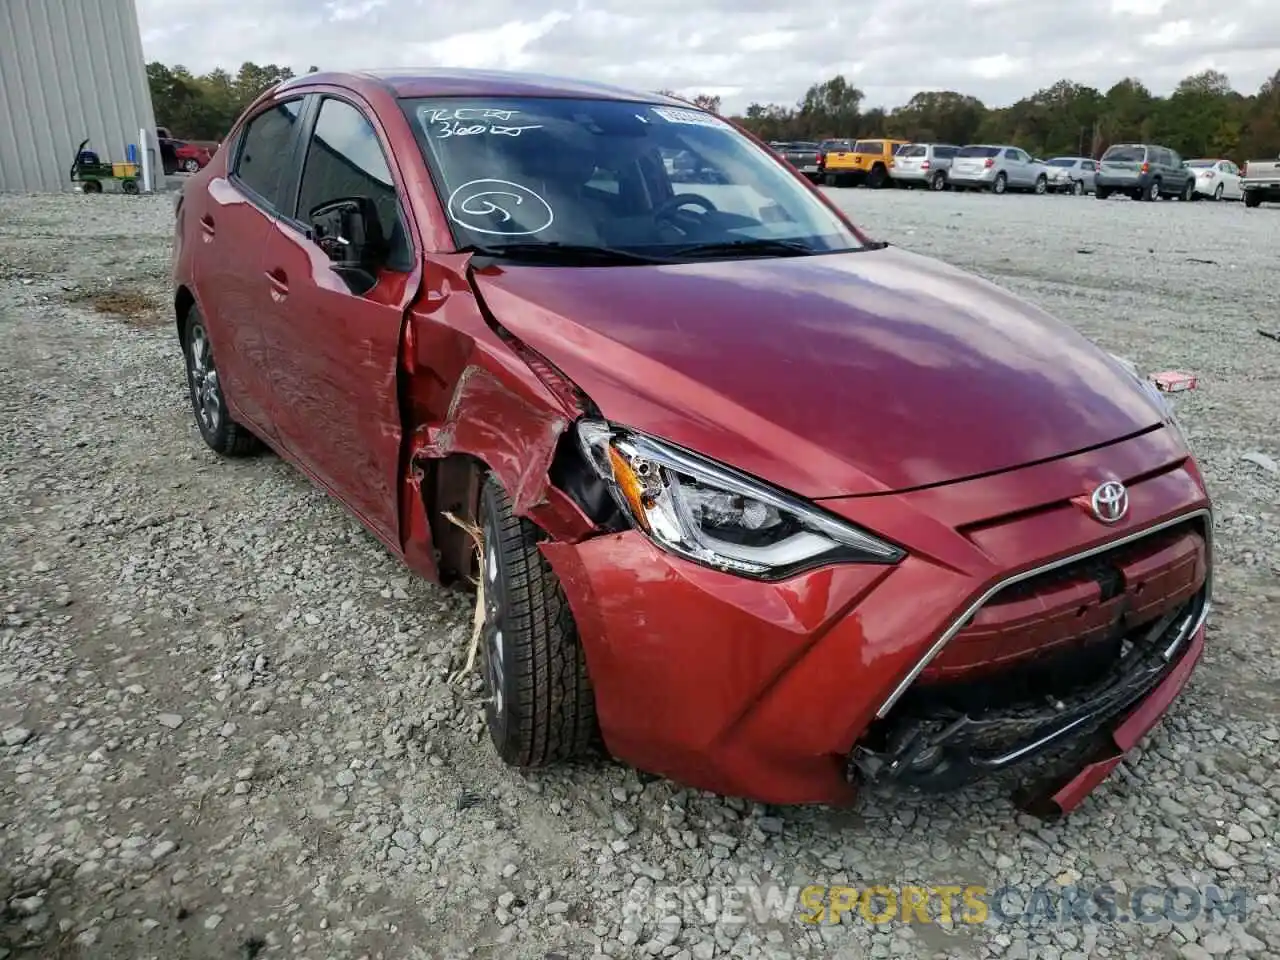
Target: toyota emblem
1110 501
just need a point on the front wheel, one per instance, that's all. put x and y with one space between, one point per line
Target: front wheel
539 706
877 177
191 165
1102 192
1042 184
222 433
1217 192
1078 188
1188 192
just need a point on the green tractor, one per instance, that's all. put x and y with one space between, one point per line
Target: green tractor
91 172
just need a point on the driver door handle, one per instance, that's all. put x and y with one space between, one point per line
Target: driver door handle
279 282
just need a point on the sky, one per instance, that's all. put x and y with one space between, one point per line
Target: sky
743 50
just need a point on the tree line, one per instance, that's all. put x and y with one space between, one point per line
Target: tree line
1203 116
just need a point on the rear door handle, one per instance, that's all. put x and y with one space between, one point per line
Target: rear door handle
279 283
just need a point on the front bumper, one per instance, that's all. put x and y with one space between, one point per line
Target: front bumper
770 690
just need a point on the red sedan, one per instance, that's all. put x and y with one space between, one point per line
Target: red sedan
762 504
191 157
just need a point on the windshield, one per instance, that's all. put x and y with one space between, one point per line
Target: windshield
1062 162
977 151
914 150
636 178
1126 154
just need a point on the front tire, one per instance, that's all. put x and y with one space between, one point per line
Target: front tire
1042 184
1102 192
540 707
1217 193
1189 192
221 433
877 177
191 165
1078 188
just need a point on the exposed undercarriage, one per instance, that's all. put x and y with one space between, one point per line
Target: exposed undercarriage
1081 646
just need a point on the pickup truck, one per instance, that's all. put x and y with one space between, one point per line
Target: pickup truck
803 155
1261 181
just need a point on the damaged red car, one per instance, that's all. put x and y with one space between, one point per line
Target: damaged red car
764 505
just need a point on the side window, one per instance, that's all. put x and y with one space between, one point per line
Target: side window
345 159
1090 165
264 149
1011 155
944 153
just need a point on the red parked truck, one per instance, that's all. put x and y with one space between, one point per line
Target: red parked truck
767 506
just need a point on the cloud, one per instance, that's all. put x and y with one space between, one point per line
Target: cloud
761 50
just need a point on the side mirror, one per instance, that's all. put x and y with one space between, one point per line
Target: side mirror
350 234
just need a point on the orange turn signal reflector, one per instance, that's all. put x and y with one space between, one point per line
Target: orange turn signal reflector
630 485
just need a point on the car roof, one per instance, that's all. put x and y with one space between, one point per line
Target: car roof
460 82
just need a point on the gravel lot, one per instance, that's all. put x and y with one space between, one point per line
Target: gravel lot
225 725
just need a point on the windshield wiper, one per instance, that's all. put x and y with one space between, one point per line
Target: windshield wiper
763 248
560 254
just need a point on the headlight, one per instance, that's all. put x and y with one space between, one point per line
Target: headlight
714 515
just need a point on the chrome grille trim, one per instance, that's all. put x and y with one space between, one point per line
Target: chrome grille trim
1205 514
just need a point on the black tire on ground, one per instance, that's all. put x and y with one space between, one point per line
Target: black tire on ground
1217 192
1188 192
191 165
1251 199
938 181
540 707
1102 192
1153 191
829 180
1042 184
129 186
222 433
877 177
1001 183
1077 187
92 186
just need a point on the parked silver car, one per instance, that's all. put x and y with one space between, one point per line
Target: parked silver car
1072 174
922 165
997 167
1219 179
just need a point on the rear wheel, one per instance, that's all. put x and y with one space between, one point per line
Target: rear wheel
1152 192
191 165
540 707
1252 199
938 181
223 434
1001 183
1217 192
1078 188
129 186
92 186
1102 192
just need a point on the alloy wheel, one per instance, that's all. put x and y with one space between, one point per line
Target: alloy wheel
493 642
1217 192
191 165
203 375
1078 188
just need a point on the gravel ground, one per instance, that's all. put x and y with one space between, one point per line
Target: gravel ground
225 729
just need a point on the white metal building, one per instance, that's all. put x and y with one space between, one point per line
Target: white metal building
69 69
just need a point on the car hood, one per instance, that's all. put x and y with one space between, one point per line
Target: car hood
828 375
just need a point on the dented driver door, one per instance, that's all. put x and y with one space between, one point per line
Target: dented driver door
335 340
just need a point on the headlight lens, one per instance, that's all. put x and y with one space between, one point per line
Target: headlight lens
714 515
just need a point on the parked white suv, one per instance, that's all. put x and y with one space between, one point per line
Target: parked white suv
922 164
